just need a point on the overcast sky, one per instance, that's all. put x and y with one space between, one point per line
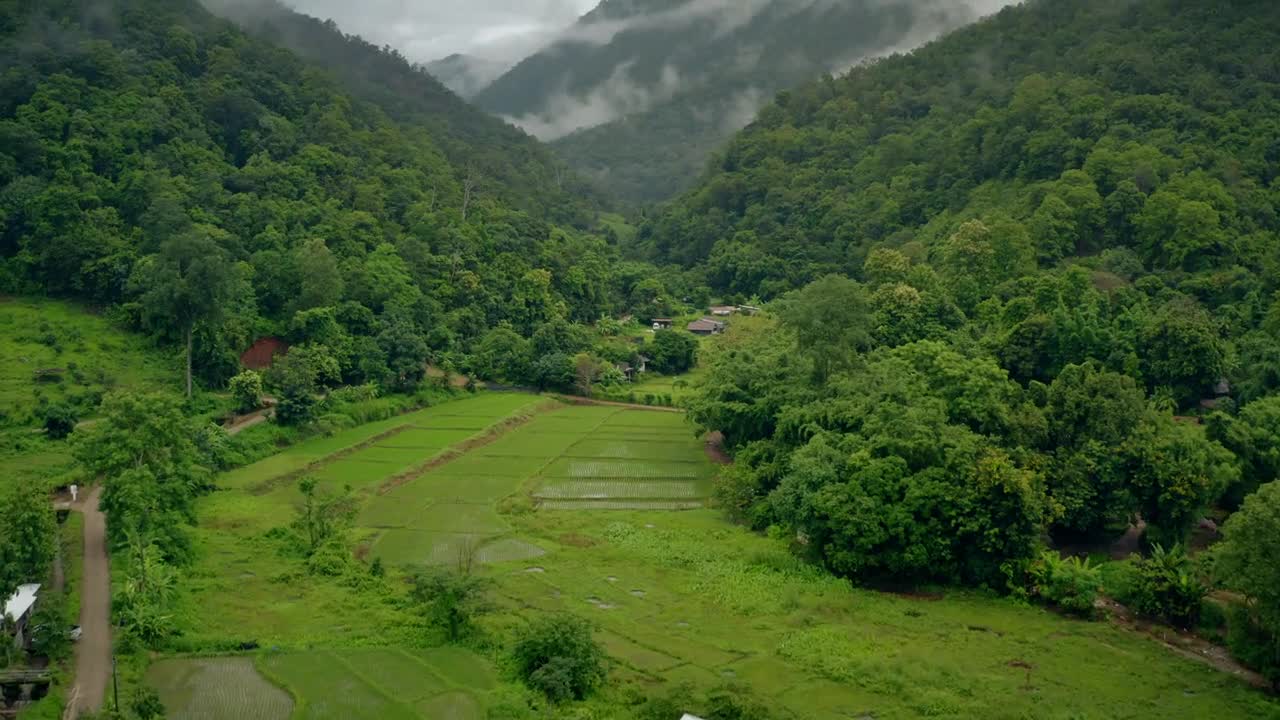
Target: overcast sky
425 30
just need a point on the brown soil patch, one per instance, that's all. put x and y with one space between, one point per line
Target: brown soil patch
576 540
715 449
457 451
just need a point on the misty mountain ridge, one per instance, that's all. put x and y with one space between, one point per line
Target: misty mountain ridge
639 92
466 75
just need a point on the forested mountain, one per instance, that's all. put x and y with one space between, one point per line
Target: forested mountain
653 86
501 159
1025 285
215 187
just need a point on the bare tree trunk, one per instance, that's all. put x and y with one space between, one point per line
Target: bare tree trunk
190 330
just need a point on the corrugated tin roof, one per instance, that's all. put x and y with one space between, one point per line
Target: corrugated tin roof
21 601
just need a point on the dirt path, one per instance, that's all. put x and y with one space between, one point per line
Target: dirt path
715 449
93 652
1188 645
244 422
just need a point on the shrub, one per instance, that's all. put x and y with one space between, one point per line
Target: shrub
246 391
1252 645
59 421
146 704
558 657
1071 583
49 628
452 600
1166 587
1246 563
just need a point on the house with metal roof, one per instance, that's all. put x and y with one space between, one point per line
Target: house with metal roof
18 609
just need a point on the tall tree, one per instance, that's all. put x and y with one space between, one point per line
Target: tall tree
150 468
186 284
829 320
27 542
1248 561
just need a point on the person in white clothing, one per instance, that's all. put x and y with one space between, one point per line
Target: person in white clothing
75 490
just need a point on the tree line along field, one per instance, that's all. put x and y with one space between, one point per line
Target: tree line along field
570 509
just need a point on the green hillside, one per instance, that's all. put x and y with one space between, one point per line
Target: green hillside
58 354
506 162
1023 286
218 188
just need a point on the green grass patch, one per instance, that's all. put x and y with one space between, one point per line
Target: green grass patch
406 547
391 511
582 469
398 674
459 518
459 666
455 705
329 690
633 449
451 484
58 352
428 439
621 490
647 419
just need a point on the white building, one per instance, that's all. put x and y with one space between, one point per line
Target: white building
18 608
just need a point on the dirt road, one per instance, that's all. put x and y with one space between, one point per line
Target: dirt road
93 652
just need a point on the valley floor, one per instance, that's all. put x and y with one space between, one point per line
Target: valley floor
599 511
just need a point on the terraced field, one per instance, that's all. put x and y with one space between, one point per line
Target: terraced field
217 688
576 458
570 511
330 685
238 584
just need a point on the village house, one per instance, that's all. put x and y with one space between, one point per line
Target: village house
18 609
663 323
628 371
706 326
723 310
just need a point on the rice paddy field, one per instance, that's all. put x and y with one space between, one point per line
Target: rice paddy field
602 512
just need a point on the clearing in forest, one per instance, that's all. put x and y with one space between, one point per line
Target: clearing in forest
677 596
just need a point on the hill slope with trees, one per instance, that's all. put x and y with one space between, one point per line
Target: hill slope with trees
653 86
1024 283
216 188
498 158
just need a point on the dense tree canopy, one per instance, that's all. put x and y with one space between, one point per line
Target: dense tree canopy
220 188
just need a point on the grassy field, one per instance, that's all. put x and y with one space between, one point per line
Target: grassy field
56 352
571 511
